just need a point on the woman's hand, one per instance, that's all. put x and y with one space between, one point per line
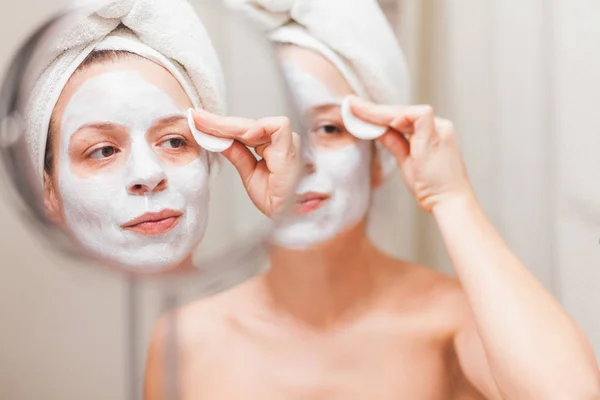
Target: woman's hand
425 147
271 180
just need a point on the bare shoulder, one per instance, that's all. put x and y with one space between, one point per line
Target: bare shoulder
196 324
423 280
200 326
427 292
209 317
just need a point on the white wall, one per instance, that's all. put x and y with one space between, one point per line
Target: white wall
577 98
522 82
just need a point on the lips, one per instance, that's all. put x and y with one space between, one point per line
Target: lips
151 224
309 202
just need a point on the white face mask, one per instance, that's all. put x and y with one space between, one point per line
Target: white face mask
97 206
309 92
342 174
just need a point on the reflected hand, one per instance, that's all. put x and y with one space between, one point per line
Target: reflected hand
425 147
271 180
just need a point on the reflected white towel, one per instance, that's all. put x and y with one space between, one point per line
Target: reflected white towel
166 31
353 34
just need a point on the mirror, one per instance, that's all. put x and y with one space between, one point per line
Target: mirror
103 153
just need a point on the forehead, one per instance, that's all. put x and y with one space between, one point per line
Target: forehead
318 66
152 74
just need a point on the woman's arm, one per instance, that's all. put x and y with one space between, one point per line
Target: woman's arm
531 346
534 349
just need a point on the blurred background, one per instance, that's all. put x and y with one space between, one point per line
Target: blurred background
521 80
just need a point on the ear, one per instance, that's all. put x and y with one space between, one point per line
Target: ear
376 168
51 202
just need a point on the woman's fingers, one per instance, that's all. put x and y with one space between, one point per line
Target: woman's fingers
378 114
243 160
272 138
251 132
270 180
396 144
280 152
444 128
417 121
217 125
260 150
281 159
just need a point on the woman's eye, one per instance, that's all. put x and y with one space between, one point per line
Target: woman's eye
104 152
174 143
329 129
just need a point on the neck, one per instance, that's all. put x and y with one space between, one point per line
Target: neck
326 283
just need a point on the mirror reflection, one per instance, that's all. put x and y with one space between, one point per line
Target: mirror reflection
124 113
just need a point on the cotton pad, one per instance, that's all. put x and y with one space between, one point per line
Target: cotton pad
208 142
357 127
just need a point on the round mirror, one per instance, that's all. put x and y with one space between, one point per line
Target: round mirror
139 135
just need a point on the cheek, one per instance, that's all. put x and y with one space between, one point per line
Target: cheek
87 168
55 193
182 157
330 142
351 164
190 179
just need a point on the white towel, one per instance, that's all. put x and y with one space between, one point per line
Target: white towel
167 32
353 35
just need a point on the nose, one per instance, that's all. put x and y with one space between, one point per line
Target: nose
148 186
309 168
145 173
308 159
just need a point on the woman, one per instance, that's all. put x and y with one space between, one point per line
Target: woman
123 170
335 317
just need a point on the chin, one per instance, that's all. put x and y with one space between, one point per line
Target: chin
148 255
150 263
137 253
302 236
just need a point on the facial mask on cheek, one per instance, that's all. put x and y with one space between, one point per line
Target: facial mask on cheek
345 176
97 206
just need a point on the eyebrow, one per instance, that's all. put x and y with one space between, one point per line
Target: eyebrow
168 120
109 126
102 126
330 107
325 107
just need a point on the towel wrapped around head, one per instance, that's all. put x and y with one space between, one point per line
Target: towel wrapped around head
167 32
353 35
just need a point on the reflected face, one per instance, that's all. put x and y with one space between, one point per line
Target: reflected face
129 181
335 193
